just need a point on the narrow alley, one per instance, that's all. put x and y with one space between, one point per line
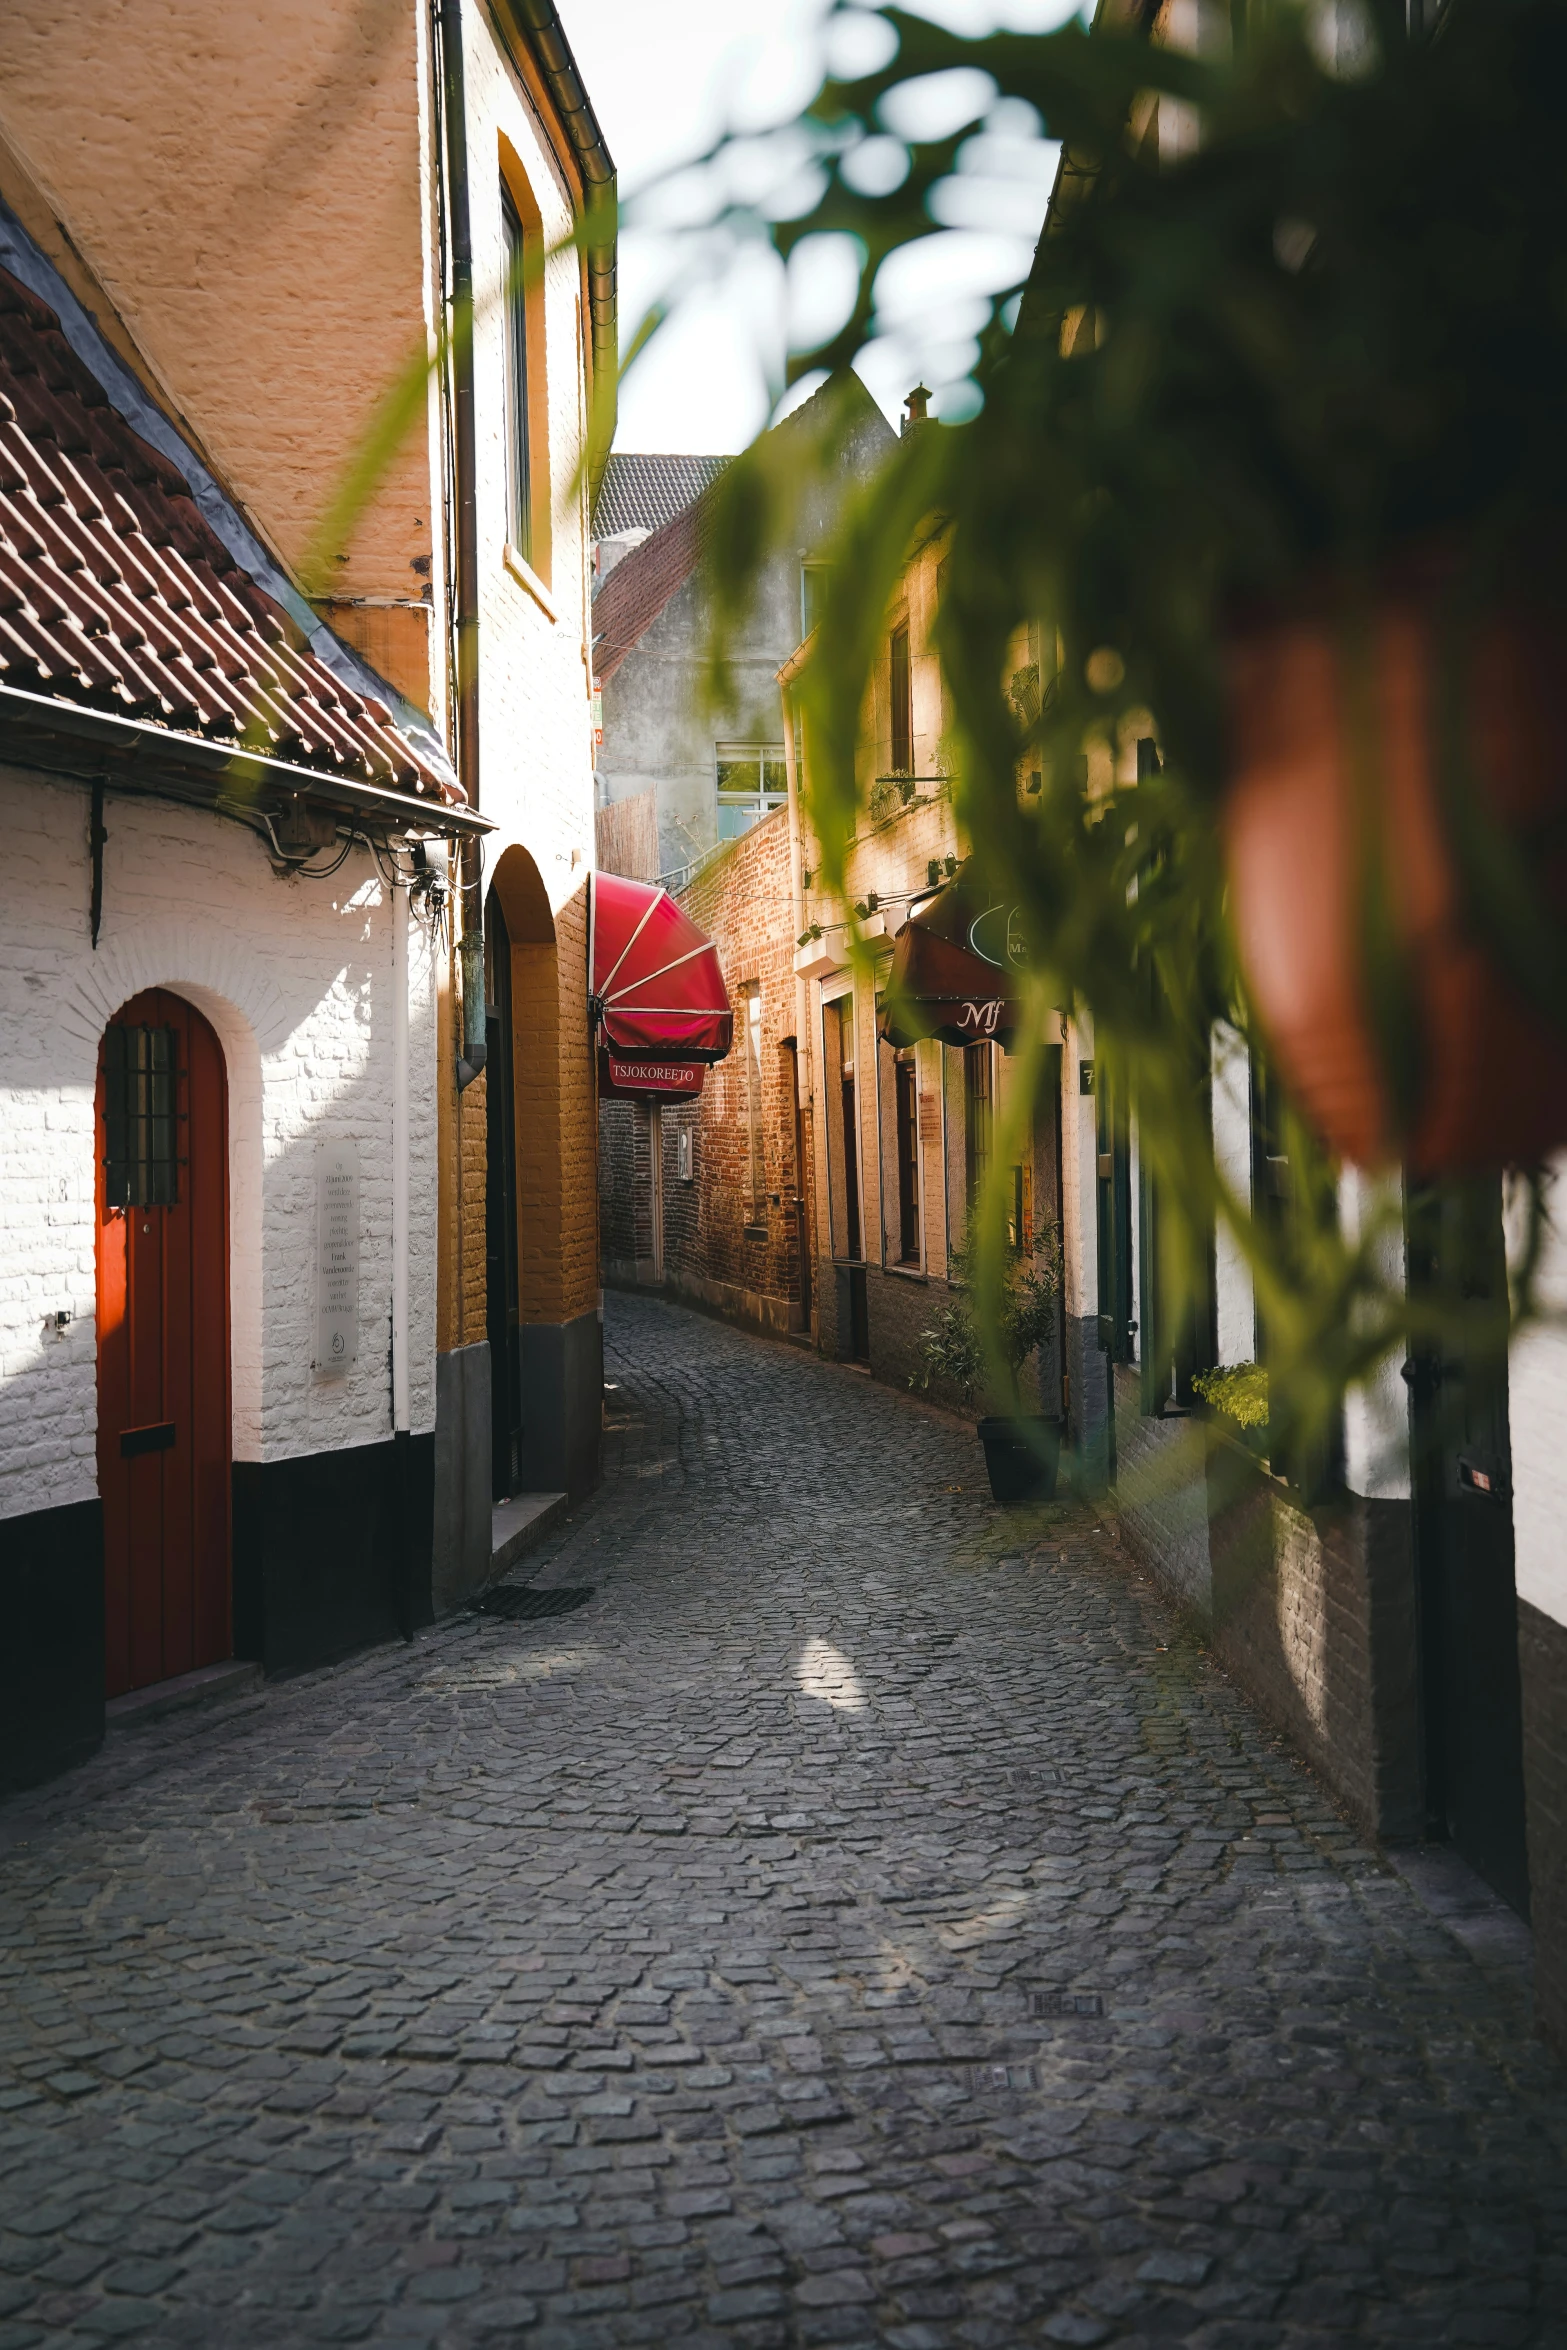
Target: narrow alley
865 1918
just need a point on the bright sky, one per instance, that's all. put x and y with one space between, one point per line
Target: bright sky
666 77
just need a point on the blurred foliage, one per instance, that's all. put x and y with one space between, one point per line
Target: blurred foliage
1238 1390
1337 320
966 1342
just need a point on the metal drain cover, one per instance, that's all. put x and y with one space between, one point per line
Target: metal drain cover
1066 2003
519 1603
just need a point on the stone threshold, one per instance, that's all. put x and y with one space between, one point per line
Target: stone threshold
518 1525
211 1685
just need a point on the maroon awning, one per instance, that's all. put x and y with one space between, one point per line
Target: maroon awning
658 989
955 966
643 1081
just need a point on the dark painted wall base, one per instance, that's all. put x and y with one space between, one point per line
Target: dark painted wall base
562 1405
51 1658
463 1530
1542 1664
332 1552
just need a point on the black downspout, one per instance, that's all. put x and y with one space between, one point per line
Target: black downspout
470 1059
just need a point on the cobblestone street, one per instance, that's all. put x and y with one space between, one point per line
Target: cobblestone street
865 1920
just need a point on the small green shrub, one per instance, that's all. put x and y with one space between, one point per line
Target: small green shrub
1238 1390
953 1351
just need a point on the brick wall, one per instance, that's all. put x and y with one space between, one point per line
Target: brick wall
1313 1612
330 110
1161 1493
295 978
722 1235
625 1190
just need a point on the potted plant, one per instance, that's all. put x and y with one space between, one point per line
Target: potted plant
1237 1394
1263 450
1022 1449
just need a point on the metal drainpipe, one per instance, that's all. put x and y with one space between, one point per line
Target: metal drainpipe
465 460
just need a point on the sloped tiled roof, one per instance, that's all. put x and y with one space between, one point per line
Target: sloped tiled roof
642 492
116 593
642 583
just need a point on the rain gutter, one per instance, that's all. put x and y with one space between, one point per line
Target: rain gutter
97 746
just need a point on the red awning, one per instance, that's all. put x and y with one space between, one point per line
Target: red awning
955 967
658 990
642 1081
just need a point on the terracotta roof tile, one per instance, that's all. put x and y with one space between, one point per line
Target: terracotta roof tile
115 592
642 583
642 491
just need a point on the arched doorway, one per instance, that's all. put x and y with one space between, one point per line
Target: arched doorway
163 1342
523 1215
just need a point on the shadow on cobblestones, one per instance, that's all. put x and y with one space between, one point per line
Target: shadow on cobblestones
865 1921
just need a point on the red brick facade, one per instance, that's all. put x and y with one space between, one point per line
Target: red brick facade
729 1233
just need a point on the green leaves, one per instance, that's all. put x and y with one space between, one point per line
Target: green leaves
1240 375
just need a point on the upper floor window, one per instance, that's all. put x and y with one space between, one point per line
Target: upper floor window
901 682
752 780
519 487
813 595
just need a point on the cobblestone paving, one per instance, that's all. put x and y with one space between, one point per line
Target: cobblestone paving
864 1922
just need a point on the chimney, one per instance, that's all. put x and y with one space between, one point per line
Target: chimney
917 404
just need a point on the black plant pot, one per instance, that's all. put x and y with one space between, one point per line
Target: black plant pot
1022 1457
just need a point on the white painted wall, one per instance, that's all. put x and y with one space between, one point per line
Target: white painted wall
1234 1295
1376 1414
295 976
1079 1166
1537 1411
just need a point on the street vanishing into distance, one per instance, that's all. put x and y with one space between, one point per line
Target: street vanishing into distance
865 1917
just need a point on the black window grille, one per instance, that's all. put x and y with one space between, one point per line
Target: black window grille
141 1105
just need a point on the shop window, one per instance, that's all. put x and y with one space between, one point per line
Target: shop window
905 1078
843 1158
977 1119
1113 1200
752 781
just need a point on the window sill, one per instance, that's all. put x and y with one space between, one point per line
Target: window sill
754 1231
907 1272
521 569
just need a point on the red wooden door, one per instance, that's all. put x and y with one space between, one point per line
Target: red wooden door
163 1342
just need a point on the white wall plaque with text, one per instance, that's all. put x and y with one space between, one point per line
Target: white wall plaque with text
337 1255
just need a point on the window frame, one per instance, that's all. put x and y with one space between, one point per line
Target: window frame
515 376
755 804
900 701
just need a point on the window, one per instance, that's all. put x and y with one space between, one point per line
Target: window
519 487
757 1213
752 781
907 1105
813 595
901 682
842 1127
976 1119
1113 1193
141 1115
